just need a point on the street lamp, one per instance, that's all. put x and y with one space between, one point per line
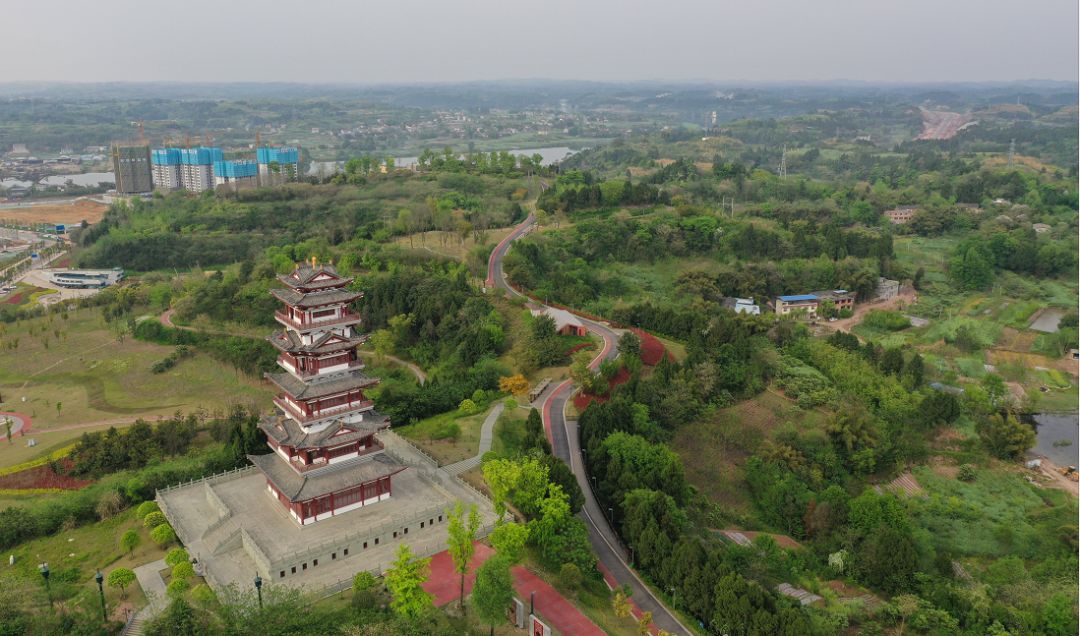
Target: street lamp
44 568
611 515
258 588
673 593
101 591
532 603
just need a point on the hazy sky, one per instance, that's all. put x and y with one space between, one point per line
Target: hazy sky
366 41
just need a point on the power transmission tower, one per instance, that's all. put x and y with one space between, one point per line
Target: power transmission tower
782 171
1012 151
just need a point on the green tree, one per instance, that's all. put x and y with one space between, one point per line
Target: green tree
509 540
121 578
493 591
630 345
970 269
405 580
129 541
887 559
154 519
146 508
461 537
1005 436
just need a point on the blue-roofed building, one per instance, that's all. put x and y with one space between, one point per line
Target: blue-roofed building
840 299
796 302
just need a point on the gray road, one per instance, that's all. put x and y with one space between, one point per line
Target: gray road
565 445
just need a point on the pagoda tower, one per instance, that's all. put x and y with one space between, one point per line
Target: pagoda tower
326 459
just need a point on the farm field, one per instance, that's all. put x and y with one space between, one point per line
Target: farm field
69 213
74 375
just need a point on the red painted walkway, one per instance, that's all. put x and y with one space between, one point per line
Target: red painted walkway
445 584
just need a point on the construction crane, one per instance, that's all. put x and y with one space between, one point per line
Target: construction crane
142 132
258 139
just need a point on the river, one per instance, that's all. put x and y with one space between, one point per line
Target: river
548 156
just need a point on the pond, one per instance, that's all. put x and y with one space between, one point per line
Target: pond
1052 430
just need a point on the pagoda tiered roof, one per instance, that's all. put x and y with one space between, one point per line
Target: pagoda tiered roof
311 277
286 432
328 342
332 296
323 481
311 389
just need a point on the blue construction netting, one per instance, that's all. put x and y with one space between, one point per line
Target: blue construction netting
165 156
201 156
236 169
280 155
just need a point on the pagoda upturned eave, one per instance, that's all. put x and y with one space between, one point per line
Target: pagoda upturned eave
288 342
331 296
309 390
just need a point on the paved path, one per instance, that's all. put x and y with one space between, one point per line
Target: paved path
445 584
564 443
153 587
20 423
486 435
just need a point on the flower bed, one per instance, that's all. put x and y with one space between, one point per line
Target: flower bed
652 350
582 399
42 478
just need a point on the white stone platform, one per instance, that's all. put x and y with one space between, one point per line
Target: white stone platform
235 527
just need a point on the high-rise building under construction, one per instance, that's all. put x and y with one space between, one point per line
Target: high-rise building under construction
131 168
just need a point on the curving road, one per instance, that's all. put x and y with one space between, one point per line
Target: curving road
564 443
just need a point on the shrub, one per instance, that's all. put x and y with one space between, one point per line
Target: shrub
109 505
176 556
183 570
966 473
467 406
177 587
163 535
447 430
146 508
202 594
154 519
886 320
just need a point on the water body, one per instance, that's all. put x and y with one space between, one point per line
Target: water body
548 156
1050 428
84 179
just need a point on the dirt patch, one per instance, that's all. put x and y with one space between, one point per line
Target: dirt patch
69 213
1015 340
1052 478
941 466
1000 357
906 298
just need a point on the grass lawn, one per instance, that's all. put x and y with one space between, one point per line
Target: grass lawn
449 244
74 556
47 441
433 435
715 449
80 364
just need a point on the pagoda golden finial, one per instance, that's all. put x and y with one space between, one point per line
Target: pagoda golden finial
313 259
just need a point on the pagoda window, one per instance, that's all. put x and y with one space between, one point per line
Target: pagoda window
323 313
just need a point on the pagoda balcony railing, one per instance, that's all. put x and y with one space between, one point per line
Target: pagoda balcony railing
346 318
304 418
323 462
308 374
